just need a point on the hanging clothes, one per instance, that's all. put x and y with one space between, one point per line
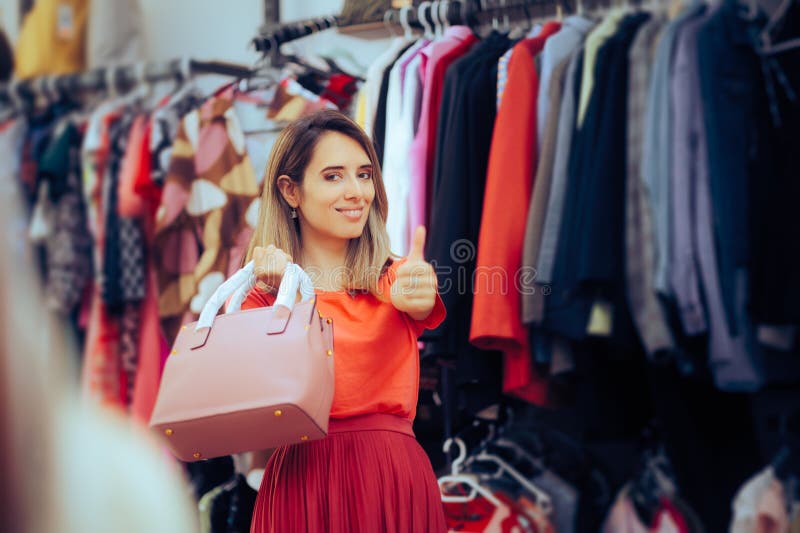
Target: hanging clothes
436 57
555 203
588 297
648 313
733 352
774 228
556 56
403 102
209 187
556 49
658 137
466 120
495 322
69 244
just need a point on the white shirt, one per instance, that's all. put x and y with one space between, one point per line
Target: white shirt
372 85
400 130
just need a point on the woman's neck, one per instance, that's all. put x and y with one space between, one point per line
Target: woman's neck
325 261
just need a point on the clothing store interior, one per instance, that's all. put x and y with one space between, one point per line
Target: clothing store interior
620 358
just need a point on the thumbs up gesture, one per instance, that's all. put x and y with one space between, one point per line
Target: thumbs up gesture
414 290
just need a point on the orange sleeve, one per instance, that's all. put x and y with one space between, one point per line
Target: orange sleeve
257 298
436 317
438 313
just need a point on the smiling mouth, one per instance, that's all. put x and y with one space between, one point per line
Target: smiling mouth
351 213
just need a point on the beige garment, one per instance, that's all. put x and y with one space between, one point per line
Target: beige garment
115 33
795 525
594 41
771 513
533 304
747 500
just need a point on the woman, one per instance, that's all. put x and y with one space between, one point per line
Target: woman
324 205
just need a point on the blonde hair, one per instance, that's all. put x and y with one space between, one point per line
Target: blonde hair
367 254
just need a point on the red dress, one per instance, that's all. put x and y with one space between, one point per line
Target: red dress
370 473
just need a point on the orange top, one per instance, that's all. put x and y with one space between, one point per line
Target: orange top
376 353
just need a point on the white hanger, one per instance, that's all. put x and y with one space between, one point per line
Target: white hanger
110 77
542 498
444 5
506 21
185 69
14 95
387 17
40 87
766 46
52 87
424 21
404 11
469 480
437 25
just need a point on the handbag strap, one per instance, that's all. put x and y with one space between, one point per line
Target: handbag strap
243 281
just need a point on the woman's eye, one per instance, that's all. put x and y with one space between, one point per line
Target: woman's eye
365 175
332 177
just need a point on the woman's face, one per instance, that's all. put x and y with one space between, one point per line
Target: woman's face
337 189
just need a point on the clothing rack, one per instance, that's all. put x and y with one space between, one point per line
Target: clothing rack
272 37
118 78
467 12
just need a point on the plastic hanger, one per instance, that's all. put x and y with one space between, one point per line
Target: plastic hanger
519 452
506 21
766 47
17 100
387 22
469 480
542 498
444 6
404 11
428 30
433 10
110 78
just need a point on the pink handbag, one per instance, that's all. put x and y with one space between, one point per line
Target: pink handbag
248 380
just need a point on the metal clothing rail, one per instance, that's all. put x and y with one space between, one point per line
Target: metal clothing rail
117 78
455 12
272 37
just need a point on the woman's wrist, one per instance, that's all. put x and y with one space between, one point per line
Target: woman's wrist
265 287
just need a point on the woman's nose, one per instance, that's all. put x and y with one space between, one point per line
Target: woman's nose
353 188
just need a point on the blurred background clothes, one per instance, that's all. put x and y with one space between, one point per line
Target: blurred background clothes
609 193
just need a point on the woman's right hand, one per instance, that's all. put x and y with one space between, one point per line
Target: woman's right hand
270 264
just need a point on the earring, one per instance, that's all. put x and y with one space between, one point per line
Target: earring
294 213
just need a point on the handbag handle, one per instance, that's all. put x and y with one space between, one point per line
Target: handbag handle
243 281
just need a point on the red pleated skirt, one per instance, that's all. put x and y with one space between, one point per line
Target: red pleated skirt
368 475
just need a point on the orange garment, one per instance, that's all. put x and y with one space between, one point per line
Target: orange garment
132 203
496 313
376 354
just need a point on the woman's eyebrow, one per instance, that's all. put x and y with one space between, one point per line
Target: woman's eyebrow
340 167
326 169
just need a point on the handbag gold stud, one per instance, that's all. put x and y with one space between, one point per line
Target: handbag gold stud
329 352
329 321
304 438
174 352
278 412
168 432
196 455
